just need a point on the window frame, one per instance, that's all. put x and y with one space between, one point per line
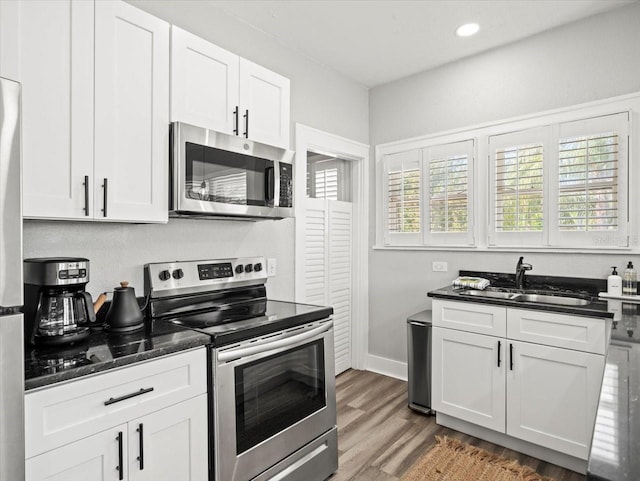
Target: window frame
447 150
629 175
401 238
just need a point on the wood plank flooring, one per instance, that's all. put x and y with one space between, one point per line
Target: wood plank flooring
379 437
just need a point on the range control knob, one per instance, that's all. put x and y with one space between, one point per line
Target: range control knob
239 269
248 268
178 274
257 267
164 275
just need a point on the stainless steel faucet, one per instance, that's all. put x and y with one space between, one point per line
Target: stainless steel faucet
521 268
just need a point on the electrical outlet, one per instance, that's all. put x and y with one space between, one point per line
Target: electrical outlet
271 267
439 266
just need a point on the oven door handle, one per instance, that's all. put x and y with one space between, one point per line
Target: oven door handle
240 352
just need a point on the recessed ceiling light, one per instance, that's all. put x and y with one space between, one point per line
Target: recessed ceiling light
467 29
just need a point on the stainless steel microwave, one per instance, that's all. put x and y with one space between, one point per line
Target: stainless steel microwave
216 174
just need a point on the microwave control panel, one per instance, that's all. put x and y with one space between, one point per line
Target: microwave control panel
286 185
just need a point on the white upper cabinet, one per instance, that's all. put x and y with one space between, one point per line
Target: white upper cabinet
264 104
204 82
216 89
48 47
90 67
131 113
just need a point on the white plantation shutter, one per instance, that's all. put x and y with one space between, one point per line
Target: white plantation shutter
449 170
315 249
327 184
328 270
590 182
402 196
517 187
340 271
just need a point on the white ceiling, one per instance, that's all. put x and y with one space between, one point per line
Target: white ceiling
375 41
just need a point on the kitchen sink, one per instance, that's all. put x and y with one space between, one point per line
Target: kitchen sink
492 294
536 298
551 299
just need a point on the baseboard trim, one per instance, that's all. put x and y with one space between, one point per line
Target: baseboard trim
387 367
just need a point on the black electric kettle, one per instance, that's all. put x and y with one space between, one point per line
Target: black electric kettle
124 314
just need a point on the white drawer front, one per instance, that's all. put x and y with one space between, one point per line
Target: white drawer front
71 411
470 317
560 330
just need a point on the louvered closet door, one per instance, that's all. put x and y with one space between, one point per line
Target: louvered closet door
328 275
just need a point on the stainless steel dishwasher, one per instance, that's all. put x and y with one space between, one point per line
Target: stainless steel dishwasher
419 361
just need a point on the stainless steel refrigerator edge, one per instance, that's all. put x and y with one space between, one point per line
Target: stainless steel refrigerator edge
11 323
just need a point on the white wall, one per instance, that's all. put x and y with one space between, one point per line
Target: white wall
320 98
596 58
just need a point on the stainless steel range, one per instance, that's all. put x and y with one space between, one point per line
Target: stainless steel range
273 407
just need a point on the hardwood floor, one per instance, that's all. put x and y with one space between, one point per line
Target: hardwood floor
379 437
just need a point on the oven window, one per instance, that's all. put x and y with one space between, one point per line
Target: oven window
216 175
276 392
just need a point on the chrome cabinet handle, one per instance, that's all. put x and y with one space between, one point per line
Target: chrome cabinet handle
246 124
104 197
127 396
86 195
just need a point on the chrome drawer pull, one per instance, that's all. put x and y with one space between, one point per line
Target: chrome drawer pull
127 396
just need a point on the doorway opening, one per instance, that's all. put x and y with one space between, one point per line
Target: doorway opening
331 236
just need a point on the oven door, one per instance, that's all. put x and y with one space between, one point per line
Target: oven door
272 397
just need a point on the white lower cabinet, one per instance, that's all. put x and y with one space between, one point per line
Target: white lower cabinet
149 424
552 396
542 394
170 444
95 458
467 381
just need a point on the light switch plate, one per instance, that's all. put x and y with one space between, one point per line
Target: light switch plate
271 267
439 266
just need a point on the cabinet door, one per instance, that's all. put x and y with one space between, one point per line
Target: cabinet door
468 377
96 458
132 114
264 104
170 444
204 83
48 47
552 396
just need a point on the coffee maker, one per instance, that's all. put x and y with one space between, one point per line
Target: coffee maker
57 308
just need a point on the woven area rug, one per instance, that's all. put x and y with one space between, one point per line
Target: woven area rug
452 460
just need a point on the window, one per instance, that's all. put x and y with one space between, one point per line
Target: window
557 180
590 183
440 212
328 177
402 196
450 216
559 185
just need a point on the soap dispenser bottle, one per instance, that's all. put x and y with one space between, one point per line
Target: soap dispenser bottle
614 283
630 281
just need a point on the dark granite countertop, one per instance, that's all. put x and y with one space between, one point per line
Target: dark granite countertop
102 351
615 448
583 287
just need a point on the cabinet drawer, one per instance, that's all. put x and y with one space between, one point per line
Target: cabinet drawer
71 411
560 330
470 317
